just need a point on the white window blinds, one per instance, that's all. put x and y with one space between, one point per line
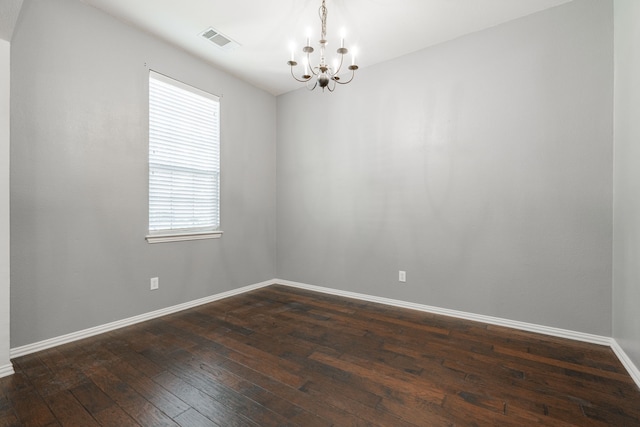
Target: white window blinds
184 158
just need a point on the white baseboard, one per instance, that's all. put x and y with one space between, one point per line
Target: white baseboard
86 333
626 361
530 327
6 370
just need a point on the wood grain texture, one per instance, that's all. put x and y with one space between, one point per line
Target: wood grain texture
281 356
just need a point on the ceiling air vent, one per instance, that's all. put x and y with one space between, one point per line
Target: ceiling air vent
220 40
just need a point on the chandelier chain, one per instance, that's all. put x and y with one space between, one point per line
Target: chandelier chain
323 18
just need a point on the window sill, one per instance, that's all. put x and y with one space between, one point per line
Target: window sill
181 237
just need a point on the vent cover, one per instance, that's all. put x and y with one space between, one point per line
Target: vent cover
220 40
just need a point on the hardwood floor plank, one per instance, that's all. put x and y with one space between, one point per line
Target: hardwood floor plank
372 415
284 408
121 349
7 415
149 389
136 406
28 405
206 405
115 416
229 398
193 418
68 411
9 420
415 410
92 398
288 393
561 363
392 381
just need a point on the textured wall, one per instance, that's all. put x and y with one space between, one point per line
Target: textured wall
79 176
5 50
626 277
482 167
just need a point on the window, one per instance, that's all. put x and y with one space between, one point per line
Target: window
184 162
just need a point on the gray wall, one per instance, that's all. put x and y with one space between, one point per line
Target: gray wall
626 278
79 176
5 57
482 167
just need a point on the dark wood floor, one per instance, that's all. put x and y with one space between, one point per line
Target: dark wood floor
280 356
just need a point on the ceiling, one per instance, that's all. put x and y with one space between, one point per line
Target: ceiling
265 29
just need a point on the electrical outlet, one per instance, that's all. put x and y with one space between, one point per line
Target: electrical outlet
154 283
402 276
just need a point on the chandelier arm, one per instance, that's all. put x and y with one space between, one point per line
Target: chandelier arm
339 66
313 69
353 73
314 85
294 76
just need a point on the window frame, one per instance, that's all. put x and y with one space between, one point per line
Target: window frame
183 234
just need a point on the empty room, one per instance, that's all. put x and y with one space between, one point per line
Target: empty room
320 213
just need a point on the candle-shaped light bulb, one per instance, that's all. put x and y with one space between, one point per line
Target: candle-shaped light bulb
292 48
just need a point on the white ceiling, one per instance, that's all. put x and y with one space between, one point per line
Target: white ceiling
265 29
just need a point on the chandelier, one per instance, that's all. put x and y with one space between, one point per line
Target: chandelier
323 75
